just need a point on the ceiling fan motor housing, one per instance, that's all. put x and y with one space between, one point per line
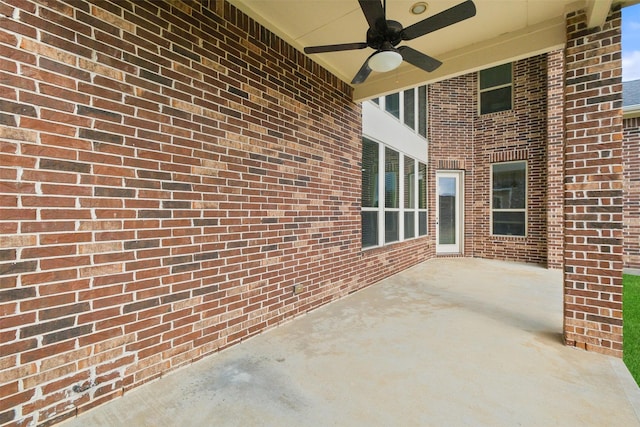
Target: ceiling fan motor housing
376 37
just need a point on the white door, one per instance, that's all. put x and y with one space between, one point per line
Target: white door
449 212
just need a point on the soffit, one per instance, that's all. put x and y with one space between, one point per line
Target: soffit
501 31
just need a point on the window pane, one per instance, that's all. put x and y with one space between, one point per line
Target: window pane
391 178
392 104
496 76
509 223
391 227
509 186
447 210
369 229
409 225
422 223
369 174
409 108
422 111
495 100
376 101
422 185
409 183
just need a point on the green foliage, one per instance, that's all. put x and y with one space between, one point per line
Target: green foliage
631 308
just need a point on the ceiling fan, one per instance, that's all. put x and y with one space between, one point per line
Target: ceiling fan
384 35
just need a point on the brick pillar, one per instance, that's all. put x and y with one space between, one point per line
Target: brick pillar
555 159
593 186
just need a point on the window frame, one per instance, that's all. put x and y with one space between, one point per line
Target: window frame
399 198
493 88
376 202
406 173
418 112
526 201
381 208
424 210
400 105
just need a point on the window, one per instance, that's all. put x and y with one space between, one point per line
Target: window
392 104
391 195
370 165
393 203
422 111
409 107
409 197
422 199
509 198
496 89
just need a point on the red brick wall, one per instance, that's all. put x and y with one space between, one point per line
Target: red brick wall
631 150
460 138
555 159
593 186
517 134
168 172
452 107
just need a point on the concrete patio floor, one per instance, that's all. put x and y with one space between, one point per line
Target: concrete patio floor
449 342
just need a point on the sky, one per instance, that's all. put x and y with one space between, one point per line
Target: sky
631 43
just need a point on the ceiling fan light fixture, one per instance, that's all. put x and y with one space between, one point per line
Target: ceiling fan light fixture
385 60
419 8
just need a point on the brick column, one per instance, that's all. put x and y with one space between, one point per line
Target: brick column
555 158
593 186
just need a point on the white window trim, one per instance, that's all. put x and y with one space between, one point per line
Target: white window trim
526 201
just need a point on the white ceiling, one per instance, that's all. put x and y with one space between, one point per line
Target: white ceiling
501 31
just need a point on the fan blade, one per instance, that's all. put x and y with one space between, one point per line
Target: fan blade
334 47
419 59
374 13
363 73
462 11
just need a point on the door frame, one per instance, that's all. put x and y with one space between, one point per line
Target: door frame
458 247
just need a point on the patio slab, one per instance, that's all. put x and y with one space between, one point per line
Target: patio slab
448 342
